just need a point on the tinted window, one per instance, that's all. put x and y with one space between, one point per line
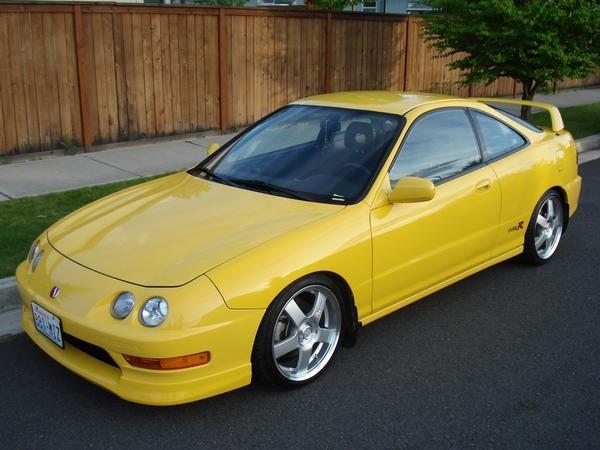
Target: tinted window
438 146
519 120
497 137
311 152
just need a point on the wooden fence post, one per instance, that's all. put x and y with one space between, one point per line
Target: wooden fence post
327 72
82 78
223 119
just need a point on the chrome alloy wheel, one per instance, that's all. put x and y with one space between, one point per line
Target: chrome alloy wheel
548 227
306 333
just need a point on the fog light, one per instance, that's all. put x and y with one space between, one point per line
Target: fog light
154 312
122 305
36 260
177 362
34 249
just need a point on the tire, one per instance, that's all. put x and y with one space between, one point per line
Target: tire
299 333
545 229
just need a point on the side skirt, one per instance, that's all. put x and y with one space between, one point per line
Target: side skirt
413 298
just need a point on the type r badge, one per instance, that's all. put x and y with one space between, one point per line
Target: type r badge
517 227
54 291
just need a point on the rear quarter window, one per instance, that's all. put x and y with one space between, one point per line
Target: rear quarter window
498 138
519 121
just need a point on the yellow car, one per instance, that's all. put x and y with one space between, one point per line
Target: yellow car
324 216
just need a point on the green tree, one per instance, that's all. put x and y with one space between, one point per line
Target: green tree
536 42
332 5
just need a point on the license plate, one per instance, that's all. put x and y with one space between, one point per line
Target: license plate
47 324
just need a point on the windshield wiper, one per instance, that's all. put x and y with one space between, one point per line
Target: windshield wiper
271 188
213 175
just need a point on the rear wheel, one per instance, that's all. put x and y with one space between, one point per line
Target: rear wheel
299 333
545 229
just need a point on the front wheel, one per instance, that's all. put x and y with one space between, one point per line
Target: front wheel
299 333
545 229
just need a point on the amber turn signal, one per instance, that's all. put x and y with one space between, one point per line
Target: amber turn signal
177 362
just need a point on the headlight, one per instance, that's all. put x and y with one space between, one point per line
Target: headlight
154 312
122 305
34 249
36 260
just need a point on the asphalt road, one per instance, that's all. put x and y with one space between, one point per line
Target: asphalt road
509 357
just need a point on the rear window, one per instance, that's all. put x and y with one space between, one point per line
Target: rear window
519 120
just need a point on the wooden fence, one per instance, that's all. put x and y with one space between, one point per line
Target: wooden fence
89 73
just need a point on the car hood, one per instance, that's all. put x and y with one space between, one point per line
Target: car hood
171 230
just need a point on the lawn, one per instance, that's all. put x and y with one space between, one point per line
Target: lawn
581 121
23 219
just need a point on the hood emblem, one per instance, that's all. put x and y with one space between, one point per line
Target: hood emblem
54 291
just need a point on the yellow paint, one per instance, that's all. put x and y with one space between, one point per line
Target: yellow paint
555 117
412 190
219 255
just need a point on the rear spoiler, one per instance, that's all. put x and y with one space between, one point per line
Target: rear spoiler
555 117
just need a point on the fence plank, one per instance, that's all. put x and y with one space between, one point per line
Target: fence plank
109 74
199 71
80 58
165 42
157 74
183 72
130 71
211 54
120 77
224 119
148 74
191 73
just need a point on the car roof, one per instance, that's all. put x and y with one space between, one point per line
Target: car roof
382 101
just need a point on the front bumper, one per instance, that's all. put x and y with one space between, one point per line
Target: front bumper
198 321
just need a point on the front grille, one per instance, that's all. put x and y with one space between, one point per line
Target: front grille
93 350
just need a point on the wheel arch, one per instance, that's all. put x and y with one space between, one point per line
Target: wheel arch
349 312
565 203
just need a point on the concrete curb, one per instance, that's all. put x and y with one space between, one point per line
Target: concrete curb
588 143
9 296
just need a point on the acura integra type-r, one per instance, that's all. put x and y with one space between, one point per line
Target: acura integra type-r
266 257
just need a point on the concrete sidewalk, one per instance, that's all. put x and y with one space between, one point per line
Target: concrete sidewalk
117 163
561 99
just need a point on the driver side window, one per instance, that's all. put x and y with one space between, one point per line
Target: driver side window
438 146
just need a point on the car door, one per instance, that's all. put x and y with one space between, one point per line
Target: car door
419 245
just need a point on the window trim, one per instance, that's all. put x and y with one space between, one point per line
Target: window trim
473 128
487 159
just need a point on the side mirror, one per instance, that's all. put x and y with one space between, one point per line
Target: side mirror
213 148
412 190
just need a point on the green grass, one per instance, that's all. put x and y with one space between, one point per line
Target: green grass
23 219
581 121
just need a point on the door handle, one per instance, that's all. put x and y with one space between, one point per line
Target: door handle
483 185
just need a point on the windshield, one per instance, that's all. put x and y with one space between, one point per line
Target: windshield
307 152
